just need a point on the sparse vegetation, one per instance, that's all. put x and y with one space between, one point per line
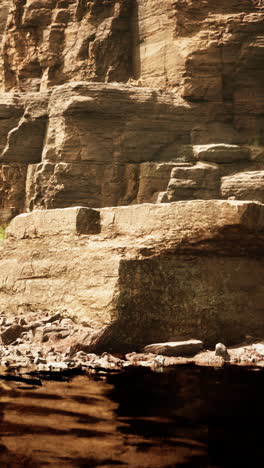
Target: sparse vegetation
2 233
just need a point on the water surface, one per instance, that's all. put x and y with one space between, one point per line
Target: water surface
185 417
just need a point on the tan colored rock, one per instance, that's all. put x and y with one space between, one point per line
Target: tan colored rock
11 111
197 224
50 43
23 121
24 142
247 353
63 184
4 9
12 190
69 221
244 186
145 277
97 137
208 53
175 348
221 153
200 181
11 334
121 102
103 123
95 144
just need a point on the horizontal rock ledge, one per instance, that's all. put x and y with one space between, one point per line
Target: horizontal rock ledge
196 224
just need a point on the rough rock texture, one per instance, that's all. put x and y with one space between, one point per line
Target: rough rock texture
51 42
104 145
192 114
208 50
126 102
12 190
202 54
4 9
175 348
244 186
154 273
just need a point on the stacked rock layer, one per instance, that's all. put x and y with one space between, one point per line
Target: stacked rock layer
125 102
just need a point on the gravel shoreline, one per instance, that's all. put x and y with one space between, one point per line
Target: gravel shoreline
53 344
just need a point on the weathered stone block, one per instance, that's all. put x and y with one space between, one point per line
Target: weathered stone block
197 224
154 273
200 181
221 153
244 186
175 348
69 221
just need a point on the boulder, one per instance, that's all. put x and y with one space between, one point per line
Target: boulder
143 274
11 333
217 153
221 350
175 348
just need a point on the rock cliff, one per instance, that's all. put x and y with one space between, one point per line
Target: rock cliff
125 102
121 102
141 274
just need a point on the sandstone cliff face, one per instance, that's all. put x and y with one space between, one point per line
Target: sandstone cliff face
140 274
4 9
51 42
194 78
126 102
103 145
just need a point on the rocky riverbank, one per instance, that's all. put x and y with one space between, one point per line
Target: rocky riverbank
54 343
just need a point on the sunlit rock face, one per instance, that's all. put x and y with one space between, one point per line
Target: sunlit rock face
158 101
120 102
51 42
140 274
211 51
183 113
4 9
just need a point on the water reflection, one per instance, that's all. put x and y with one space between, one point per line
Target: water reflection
191 417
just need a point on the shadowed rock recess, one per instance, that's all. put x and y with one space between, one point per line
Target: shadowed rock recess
132 140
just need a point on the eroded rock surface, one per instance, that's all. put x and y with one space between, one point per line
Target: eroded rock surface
105 145
147 274
120 102
51 42
184 108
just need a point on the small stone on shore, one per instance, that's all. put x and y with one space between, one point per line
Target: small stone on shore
175 348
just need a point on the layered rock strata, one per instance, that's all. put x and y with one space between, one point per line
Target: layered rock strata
120 102
4 10
105 145
141 274
184 110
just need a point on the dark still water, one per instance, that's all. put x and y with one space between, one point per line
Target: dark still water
186 417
